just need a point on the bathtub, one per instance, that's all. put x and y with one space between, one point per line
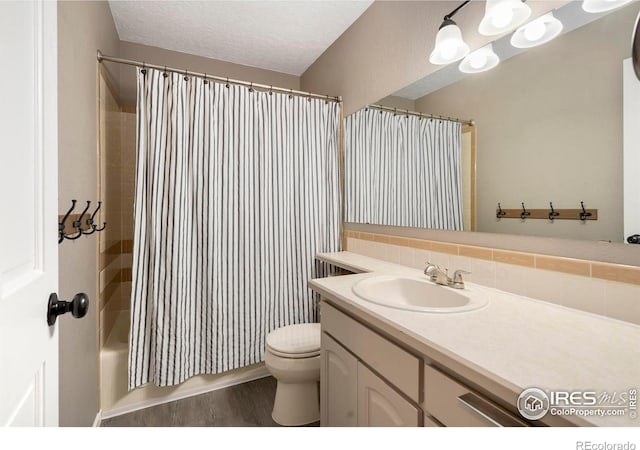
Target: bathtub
114 363
115 399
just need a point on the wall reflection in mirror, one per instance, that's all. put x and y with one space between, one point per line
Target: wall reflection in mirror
547 128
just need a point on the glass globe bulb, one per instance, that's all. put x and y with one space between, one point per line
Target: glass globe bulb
478 60
535 30
502 15
447 50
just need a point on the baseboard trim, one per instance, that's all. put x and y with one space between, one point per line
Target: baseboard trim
97 420
257 373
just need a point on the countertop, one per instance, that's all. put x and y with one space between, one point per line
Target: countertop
518 342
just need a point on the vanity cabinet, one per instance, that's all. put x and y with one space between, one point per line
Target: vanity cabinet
352 395
368 380
365 380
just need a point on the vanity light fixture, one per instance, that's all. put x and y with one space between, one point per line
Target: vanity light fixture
480 60
598 6
450 46
537 32
503 15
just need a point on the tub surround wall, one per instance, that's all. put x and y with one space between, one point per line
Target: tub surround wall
117 175
606 289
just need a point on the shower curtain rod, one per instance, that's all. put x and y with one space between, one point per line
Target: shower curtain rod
419 114
186 72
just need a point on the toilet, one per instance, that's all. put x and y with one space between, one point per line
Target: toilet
292 356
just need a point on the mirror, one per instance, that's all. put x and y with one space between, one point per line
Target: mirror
548 128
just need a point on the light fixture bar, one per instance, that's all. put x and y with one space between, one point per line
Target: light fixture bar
453 13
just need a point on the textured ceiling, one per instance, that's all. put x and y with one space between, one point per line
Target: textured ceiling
285 36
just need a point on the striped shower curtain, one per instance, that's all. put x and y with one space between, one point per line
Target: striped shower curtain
402 170
236 190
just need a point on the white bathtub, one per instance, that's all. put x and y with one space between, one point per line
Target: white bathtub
113 363
115 399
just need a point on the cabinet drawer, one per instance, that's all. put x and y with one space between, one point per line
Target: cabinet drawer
398 366
455 405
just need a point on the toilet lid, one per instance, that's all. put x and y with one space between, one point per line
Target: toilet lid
295 339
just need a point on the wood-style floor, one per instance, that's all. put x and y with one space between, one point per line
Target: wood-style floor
245 405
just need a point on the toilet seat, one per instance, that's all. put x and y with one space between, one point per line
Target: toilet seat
295 341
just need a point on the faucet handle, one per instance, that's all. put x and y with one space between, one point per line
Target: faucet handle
456 280
430 267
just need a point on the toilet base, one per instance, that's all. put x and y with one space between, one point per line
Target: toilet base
296 404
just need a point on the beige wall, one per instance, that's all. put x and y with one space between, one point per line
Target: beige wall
550 129
397 102
82 28
388 48
155 55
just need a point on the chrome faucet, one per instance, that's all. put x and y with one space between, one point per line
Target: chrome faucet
440 276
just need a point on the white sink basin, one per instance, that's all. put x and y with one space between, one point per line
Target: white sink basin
415 294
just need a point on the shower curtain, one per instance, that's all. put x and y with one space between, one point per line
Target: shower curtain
402 170
236 190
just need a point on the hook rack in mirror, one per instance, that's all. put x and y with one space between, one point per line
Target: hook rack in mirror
550 213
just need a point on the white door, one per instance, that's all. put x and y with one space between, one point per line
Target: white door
631 159
28 213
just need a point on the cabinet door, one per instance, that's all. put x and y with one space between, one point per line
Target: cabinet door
338 385
381 406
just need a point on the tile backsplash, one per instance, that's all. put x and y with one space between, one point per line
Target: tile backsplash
600 288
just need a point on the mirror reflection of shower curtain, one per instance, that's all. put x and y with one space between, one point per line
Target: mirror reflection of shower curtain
236 191
402 170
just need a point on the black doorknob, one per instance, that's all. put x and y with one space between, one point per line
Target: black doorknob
634 239
78 307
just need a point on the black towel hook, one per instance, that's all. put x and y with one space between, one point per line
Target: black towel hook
524 212
90 222
552 214
62 224
78 224
584 214
500 212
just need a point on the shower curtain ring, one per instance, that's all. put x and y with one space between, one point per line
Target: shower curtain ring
186 73
271 89
144 70
164 74
251 86
227 85
205 79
